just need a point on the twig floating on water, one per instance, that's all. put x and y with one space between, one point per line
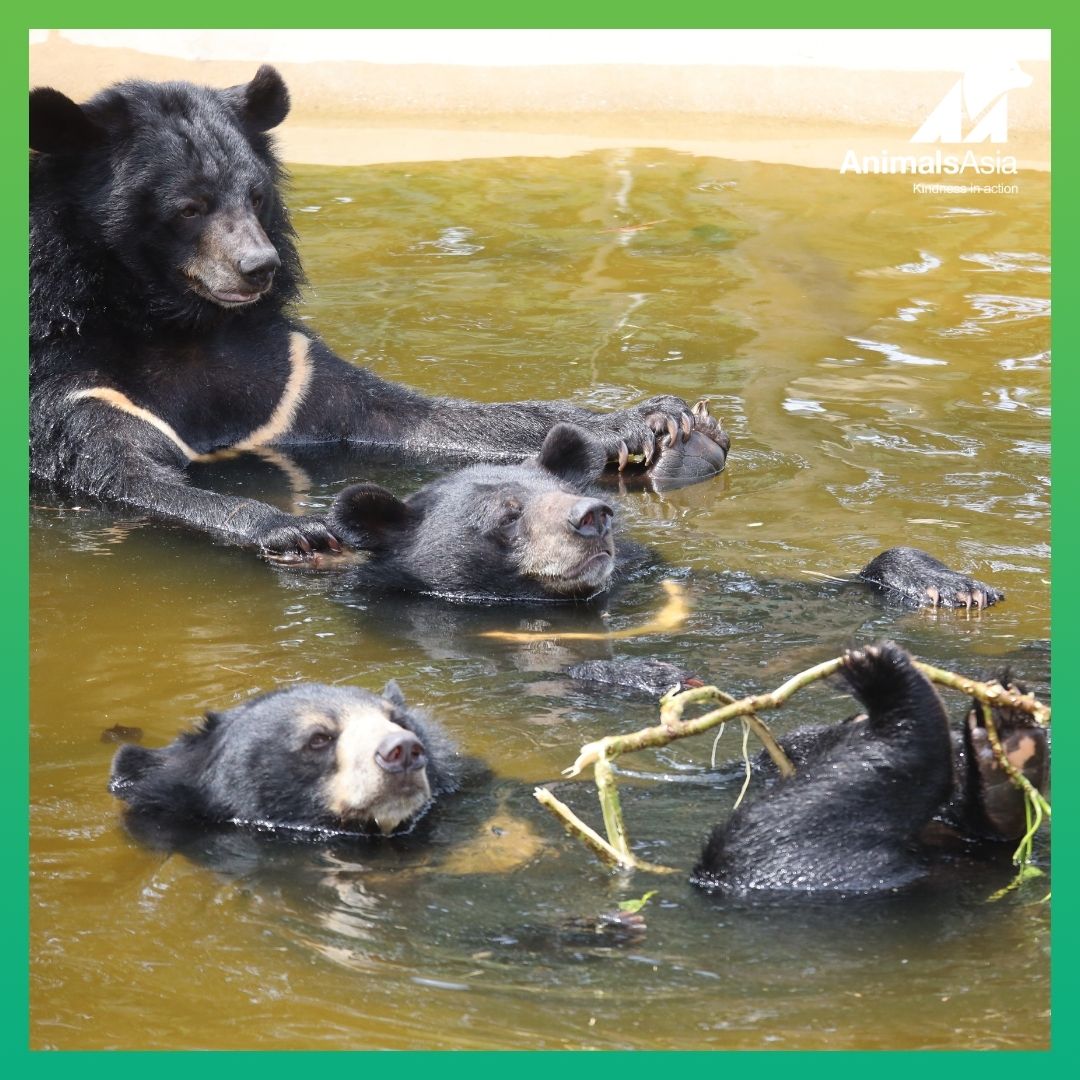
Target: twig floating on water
670 617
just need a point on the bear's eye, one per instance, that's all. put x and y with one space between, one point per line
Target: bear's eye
511 513
191 210
319 740
256 200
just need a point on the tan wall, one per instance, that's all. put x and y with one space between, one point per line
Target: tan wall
349 112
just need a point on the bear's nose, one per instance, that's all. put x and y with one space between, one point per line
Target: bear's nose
258 266
400 751
590 517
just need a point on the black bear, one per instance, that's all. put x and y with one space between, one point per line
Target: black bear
537 530
309 757
530 531
866 793
162 271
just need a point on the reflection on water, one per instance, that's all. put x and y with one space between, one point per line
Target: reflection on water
881 362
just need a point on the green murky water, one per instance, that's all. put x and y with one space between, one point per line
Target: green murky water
881 361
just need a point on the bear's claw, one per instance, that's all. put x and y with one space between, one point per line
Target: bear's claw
298 540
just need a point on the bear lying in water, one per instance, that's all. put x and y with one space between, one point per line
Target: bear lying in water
537 531
871 794
328 759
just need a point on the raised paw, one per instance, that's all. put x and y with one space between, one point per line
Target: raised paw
687 460
707 424
688 450
1003 806
698 420
920 580
666 441
882 664
902 703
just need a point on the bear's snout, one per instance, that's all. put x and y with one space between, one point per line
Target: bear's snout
380 776
590 517
235 262
400 751
258 264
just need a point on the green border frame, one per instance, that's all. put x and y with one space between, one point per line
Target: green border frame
14 910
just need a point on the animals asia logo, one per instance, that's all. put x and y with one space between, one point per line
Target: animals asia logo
975 110
981 99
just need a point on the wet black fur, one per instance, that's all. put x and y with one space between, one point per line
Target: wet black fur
848 822
905 574
639 675
983 808
246 764
102 260
109 307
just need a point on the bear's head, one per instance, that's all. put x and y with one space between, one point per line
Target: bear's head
524 531
309 756
175 183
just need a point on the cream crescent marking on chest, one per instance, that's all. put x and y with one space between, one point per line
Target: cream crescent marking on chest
296 388
125 405
281 419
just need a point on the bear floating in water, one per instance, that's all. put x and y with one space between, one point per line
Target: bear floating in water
328 759
856 816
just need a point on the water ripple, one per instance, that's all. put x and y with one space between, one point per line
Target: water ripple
452 240
996 309
896 354
1031 262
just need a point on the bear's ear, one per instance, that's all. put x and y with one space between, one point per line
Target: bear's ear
572 454
208 722
392 692
262 103
364 515
131 764
58 125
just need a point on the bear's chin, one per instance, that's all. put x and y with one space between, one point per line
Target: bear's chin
388 816
224 297
591 575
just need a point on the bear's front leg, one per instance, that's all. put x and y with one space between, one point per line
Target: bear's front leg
351 403
920 580
106 447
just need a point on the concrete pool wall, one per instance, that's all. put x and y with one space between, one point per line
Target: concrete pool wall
802 97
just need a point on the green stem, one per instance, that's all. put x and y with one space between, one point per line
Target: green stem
592 839
988 693
672 726
610 807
